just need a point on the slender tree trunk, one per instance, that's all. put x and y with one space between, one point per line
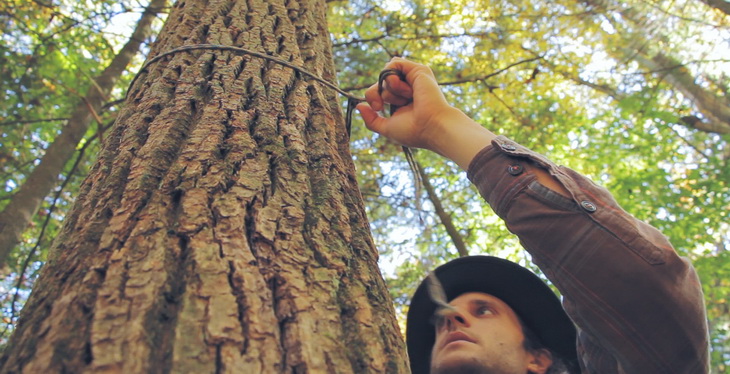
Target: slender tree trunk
19 212
714 107
221 229
721 5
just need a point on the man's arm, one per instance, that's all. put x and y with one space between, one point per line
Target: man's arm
637 304
427 121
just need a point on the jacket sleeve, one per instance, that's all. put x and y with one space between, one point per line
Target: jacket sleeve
637 304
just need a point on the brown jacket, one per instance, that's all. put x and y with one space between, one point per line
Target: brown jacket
637 304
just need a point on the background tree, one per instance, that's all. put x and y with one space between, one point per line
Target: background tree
220 229
17 214
49 56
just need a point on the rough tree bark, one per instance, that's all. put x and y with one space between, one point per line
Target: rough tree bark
19 212
221 229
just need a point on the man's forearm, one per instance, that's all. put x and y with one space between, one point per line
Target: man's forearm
459 138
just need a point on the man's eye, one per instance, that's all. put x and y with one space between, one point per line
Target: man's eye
484 310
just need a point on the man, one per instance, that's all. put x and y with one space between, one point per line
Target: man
631 304
505 319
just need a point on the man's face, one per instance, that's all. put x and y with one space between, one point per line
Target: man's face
483 335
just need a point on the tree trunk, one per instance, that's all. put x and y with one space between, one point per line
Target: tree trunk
721 5
715 108
19 212
221 229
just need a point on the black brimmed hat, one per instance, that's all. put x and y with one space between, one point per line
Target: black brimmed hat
530 298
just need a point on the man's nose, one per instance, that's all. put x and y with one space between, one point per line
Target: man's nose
454 318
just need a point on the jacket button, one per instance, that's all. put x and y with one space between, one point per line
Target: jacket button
508 147
588 206
515 169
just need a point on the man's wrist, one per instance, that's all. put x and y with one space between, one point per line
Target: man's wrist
458 137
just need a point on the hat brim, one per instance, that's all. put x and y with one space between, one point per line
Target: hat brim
530 298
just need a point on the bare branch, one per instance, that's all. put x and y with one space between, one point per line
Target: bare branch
445 217
23 122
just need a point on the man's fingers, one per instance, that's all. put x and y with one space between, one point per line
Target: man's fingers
373 97
377 100
398 87
414 72
396 91
393 99
409 68
372 119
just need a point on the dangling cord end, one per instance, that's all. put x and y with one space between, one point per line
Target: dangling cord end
351 104
438 295
406 151
416 180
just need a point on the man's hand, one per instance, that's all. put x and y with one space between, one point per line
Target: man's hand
420 101
424 119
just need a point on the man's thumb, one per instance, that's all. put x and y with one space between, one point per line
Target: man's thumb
373 121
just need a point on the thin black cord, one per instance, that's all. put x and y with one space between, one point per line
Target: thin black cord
352 100
247 52
408 152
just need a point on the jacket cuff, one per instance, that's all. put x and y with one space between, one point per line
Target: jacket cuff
499 171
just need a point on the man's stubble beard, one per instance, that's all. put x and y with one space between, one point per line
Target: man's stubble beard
473 367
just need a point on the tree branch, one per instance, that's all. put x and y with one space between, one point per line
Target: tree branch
22 122
442 214
409 38
465 80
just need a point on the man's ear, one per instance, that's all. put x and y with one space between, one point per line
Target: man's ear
540 361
